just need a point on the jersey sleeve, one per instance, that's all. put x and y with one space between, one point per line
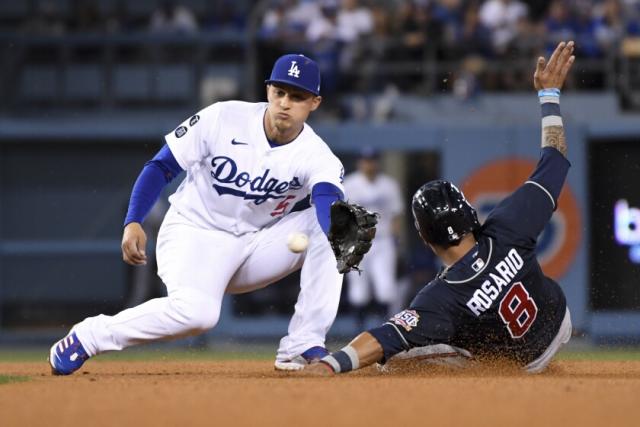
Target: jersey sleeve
326 168
190 142
522 216
433 324
156 174
426 321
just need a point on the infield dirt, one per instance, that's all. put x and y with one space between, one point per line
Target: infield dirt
251 393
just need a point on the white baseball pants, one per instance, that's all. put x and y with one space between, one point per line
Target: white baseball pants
378 271
198 266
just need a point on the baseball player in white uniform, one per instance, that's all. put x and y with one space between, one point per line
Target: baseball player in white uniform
247 165
379 193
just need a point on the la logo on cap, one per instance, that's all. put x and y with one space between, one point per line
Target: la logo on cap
294 71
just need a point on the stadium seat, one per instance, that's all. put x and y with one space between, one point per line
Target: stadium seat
38 83
131 83
84 82
174 83
220 82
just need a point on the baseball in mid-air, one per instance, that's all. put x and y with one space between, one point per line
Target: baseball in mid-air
297 242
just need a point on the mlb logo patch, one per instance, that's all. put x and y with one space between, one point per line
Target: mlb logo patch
180 132
477 265
408 319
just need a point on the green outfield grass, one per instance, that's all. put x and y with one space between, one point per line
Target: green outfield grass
6 379
267 352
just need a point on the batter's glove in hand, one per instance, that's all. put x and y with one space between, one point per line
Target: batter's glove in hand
351 232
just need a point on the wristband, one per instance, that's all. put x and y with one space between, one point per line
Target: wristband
552 91
344 360
549 95
550 106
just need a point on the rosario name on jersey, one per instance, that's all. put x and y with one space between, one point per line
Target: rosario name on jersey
496 300
235 180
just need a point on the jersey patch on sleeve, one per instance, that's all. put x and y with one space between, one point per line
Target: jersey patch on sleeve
180 131
408 319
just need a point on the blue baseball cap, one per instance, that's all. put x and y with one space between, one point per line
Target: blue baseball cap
368 152
296 70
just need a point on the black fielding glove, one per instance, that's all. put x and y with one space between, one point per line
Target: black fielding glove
351 233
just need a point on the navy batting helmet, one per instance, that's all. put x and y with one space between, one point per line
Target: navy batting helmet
442 215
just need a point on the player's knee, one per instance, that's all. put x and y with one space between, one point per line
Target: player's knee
195 311
203 318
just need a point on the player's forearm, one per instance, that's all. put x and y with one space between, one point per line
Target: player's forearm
323 195
363 351
368 348
552 127
145 193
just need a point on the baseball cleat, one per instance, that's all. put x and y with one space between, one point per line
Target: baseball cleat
67 355
298 363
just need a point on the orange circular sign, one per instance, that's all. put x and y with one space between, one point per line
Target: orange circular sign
559 241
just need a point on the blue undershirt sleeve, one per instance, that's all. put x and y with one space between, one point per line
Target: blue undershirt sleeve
323 194
156 174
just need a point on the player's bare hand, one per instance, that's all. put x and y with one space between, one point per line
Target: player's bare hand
317 369
134 242
552 74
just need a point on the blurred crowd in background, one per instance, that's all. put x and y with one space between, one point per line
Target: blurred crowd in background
55 17
352 38
365 45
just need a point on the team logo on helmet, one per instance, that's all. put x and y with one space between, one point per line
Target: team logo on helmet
180 132
559 241
408 319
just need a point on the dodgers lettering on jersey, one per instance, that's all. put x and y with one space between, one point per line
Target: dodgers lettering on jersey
263 188
235 180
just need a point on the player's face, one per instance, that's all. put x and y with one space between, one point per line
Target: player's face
369 167
289 107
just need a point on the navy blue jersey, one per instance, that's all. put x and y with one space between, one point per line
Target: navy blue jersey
495 301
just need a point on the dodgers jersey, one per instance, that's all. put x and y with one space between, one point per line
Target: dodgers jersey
381 195
496 299
235 180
